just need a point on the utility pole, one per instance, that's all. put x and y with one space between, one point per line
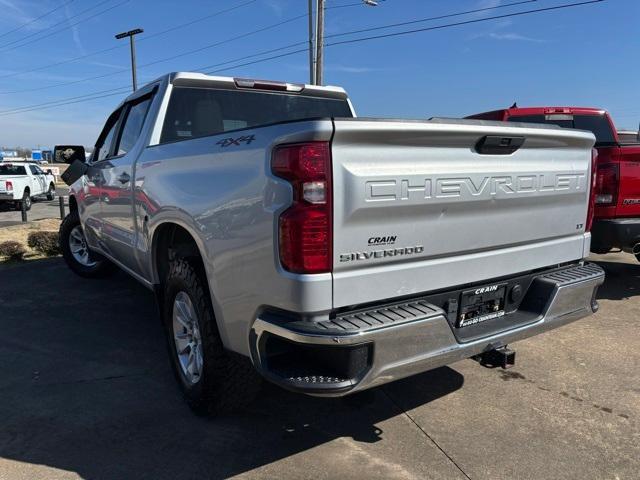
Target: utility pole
316 64
319 41
312 54
131 34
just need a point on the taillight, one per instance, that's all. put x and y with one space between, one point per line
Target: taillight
8 186
305 228
607 184
592 190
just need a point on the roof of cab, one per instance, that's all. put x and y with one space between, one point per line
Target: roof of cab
203 80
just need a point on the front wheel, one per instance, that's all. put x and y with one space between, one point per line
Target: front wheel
75 250
213 380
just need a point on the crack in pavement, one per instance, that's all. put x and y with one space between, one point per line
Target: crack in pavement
449 457
97 379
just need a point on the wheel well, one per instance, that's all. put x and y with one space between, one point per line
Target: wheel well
52 185
173 241
73 204
27 190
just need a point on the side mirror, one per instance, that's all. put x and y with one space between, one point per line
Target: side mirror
69 154
49 171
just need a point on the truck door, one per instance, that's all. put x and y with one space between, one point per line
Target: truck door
37 180
118 237
89 206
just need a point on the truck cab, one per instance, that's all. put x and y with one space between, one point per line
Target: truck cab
617 195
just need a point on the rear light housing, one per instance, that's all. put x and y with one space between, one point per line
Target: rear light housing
592 190
606 191
306 227
8 185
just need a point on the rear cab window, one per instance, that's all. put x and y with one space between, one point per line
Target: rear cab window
6 170
598 124
195 112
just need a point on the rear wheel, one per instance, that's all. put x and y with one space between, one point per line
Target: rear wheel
75 250
213 380
25 202
51 193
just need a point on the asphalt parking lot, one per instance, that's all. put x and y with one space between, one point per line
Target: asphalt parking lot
40 208
87 392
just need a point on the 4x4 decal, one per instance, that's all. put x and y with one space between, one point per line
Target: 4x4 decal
227 142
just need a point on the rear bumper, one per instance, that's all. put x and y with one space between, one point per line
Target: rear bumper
621 233
387 347
6 197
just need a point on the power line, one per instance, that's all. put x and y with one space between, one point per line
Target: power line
102 94
20 27
52 102
264 52
468 12
467 22
428 19
67 27
147 37
197 20
228 40
363 39
165 59
259 61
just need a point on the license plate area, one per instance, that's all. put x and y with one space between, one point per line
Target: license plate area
481 304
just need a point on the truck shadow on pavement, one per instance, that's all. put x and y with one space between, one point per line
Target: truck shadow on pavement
87 388
622 280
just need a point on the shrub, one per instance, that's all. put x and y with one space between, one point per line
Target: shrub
44 242
12 250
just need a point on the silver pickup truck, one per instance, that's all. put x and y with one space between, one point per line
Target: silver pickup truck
331 253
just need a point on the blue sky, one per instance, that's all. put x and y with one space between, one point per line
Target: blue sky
585 56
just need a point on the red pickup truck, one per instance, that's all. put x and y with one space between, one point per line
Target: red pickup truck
617 213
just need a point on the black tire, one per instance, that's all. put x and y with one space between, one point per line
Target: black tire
100 267
228 380
26 201
51 193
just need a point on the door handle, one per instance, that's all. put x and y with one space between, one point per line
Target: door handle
124 177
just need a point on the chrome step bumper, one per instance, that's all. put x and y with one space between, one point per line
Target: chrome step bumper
384 344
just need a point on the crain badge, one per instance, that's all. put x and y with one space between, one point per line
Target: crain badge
491 288
388 240
391 252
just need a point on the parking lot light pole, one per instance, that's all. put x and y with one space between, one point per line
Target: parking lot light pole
131 34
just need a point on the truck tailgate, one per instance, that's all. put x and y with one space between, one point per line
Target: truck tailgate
417 208
3 184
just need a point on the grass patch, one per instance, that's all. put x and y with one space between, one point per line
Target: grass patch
20 234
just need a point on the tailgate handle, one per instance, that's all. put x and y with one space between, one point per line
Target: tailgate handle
498 145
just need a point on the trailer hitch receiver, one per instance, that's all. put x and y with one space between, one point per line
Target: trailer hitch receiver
502 357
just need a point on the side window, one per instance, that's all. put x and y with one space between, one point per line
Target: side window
133 126
34 170
105 141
